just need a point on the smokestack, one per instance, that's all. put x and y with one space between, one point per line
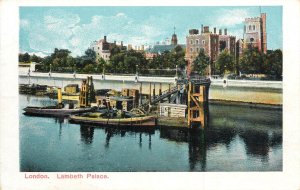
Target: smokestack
201 28
206 29
104 38
225 31
220 31
215 30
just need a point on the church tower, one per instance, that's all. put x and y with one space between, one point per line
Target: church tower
174 38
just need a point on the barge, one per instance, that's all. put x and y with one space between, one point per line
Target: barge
54 111
149 121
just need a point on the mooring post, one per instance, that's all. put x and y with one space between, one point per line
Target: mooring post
169 97
189 104
159 91
141 94
150 93
153 90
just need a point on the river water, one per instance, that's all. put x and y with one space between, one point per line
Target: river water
237 138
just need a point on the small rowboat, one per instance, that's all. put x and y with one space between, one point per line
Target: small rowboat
54 111
133 121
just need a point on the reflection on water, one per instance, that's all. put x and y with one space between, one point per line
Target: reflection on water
235 139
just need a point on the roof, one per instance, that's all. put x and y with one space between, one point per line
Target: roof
172 105
162 48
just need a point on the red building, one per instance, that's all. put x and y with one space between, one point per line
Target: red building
212 44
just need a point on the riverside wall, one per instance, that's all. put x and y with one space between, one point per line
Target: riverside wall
257 92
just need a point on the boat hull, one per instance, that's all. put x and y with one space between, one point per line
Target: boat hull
55 112
137 121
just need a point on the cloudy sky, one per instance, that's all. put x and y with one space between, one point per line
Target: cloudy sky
44 28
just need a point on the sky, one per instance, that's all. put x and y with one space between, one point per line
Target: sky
44 28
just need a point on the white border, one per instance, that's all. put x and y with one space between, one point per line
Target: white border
12 179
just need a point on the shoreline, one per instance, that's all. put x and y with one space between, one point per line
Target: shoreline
249 104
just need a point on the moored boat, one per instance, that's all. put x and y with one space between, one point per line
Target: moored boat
133 121
59 110
54 111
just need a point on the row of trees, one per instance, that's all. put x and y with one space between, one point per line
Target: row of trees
26 58
252 61
127 61
121 61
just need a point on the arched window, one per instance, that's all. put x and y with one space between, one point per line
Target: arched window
249 27
191 49
197 41
191 41
253 27
203 42
197 49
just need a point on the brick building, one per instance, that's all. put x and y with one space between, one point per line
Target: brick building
255 33
212 43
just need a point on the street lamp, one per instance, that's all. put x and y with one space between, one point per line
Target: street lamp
103 71
136 73
50 70
74 74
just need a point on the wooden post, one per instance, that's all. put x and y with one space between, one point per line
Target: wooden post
189 104
154 90
159 91
169 97
150 93
59 96
141 94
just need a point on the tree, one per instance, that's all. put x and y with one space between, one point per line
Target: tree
225 62
252 61
273 63
36 59
90 54
201 63
89 68
26 58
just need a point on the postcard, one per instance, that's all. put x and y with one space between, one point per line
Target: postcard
109 95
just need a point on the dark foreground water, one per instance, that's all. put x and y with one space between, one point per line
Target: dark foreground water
236 139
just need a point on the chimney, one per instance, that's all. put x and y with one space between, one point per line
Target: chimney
104 38
193 31
225 31
215 30
121 43
115 42
220 31
201 28
206 29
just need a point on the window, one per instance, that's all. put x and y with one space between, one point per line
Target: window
203 41
215 40
191 41
191 50
98 47
197 41
197 49
249 27
253 27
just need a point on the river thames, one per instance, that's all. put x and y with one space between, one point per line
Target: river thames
237 138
